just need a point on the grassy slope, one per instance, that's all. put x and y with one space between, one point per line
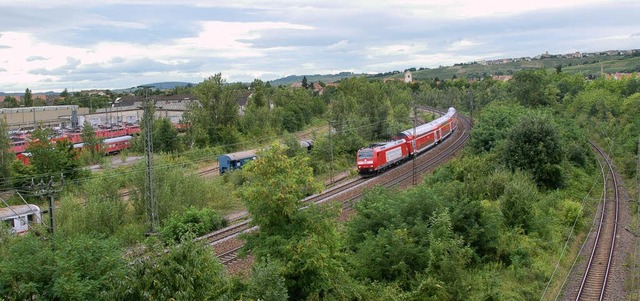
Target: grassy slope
586 66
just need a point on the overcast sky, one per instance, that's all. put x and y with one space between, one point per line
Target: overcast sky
110 44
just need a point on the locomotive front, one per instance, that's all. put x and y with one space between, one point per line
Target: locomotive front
365 161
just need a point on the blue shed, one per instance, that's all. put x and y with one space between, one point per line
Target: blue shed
232 161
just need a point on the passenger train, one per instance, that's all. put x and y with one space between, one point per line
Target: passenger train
109 146
19 218
381 156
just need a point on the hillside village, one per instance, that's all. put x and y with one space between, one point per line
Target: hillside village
572 55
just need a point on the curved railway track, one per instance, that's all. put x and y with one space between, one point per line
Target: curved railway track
594 280
225 242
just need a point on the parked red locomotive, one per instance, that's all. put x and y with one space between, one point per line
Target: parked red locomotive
381 156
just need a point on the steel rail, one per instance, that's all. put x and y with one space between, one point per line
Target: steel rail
594 280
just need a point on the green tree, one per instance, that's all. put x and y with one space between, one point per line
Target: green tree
277 183
534 145
267 282
216 115
517 202
188 271
91 144
49 160
373 105
568 84
258 97
408 240
559 68
631 86
11 102
305 84
85 268
177 188
259 122
64 93
486 91
28 98
293 147
28 266
191 223
597 105
531 88
448 256
493 126
294 108
58 268
102 213
39 102
6 156
165 136
258 119
304 241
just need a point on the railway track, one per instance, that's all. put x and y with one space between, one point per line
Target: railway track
225 242
594 280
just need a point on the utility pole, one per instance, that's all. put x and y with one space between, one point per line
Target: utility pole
151 207
413 142
330 152
41 189
635 262
471 105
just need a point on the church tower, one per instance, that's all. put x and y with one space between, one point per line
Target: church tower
407 77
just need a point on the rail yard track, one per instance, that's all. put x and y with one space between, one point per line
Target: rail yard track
596 275
225 242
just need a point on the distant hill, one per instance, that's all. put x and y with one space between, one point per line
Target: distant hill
169 85
326 78
588 66
22 93
159 85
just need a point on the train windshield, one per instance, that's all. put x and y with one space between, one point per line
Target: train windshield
365 154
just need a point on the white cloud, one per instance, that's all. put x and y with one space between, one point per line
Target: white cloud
340 46
461 44
474 8
115 43
230 39
377 52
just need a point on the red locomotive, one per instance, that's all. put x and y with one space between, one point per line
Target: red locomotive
381 156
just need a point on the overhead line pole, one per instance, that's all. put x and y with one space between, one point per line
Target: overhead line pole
330 152
41 189
413 142
151 205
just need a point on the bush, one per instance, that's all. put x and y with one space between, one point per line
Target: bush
535 146
576 154
193 222
570 212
